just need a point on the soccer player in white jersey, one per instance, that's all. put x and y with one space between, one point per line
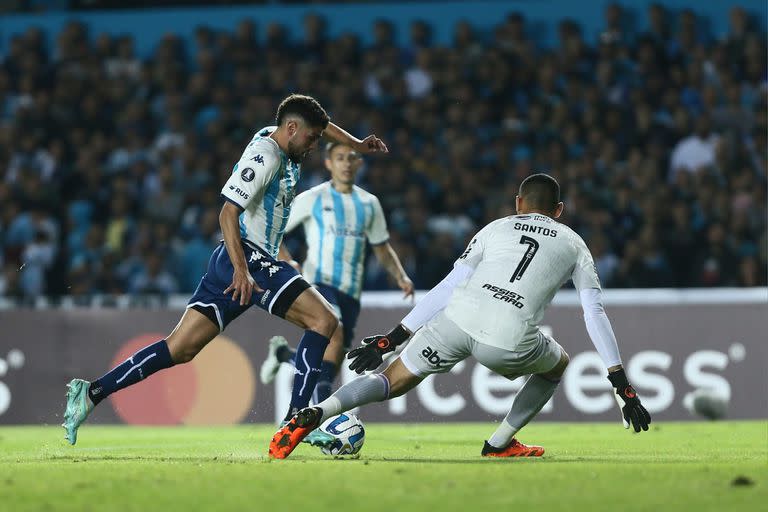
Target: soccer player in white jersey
490 307
339 220
243 269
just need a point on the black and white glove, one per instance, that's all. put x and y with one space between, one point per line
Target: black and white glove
629 403
369 356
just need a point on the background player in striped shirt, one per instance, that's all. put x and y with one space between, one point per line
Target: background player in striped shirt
339 220
243 269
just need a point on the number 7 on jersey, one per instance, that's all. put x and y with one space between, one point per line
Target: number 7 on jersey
530 252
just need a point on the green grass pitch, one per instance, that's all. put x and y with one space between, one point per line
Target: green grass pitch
689 467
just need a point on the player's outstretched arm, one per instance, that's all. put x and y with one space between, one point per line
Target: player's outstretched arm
388 259
370 144
370 355
603 338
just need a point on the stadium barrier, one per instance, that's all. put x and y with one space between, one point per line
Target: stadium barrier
148 26
673 342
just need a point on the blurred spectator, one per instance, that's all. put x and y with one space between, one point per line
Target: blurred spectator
38 256
681 242
715 264
195 252
153 278
606 261
697 151
9 281
111 164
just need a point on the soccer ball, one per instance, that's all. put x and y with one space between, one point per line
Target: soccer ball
709 403
348 432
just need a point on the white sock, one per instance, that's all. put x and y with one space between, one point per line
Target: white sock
503 435
534 394
361 391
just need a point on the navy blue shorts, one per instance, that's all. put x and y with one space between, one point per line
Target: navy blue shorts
347 309
280 282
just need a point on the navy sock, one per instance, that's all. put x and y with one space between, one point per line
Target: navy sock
309 357
324 382
139 366
285 354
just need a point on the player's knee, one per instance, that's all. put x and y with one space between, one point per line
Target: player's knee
399 386
185 356
325 324
181 354
558 371
400 379
338 336
336 340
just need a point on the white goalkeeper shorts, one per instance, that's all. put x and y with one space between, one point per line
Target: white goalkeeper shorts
440 344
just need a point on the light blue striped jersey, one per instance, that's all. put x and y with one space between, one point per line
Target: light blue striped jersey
263 184
337 227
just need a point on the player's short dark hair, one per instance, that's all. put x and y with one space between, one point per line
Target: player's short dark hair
541 192
305 107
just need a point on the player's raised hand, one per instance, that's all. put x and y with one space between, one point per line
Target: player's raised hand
406 285
632 411
242 287
372 144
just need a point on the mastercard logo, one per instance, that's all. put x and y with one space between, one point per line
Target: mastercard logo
216 388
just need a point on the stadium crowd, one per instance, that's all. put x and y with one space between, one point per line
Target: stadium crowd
111 165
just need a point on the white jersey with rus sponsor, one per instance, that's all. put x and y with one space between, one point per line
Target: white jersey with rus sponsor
520 263
337 227
263 184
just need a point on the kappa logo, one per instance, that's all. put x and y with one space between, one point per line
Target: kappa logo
258 159
269 267
248 174
264 297
255 256
431 356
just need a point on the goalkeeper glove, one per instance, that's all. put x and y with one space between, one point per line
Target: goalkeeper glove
369 356
631 408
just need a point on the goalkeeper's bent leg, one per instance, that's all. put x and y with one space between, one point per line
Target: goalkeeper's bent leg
362 390
535 393
396 380
528 402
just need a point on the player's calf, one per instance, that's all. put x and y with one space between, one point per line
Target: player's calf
312 312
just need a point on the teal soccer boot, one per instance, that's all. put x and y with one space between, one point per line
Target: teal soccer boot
79 406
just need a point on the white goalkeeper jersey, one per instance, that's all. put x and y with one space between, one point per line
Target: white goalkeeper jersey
337 227
520 262
263 185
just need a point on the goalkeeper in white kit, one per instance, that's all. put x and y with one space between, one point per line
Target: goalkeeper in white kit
489 307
